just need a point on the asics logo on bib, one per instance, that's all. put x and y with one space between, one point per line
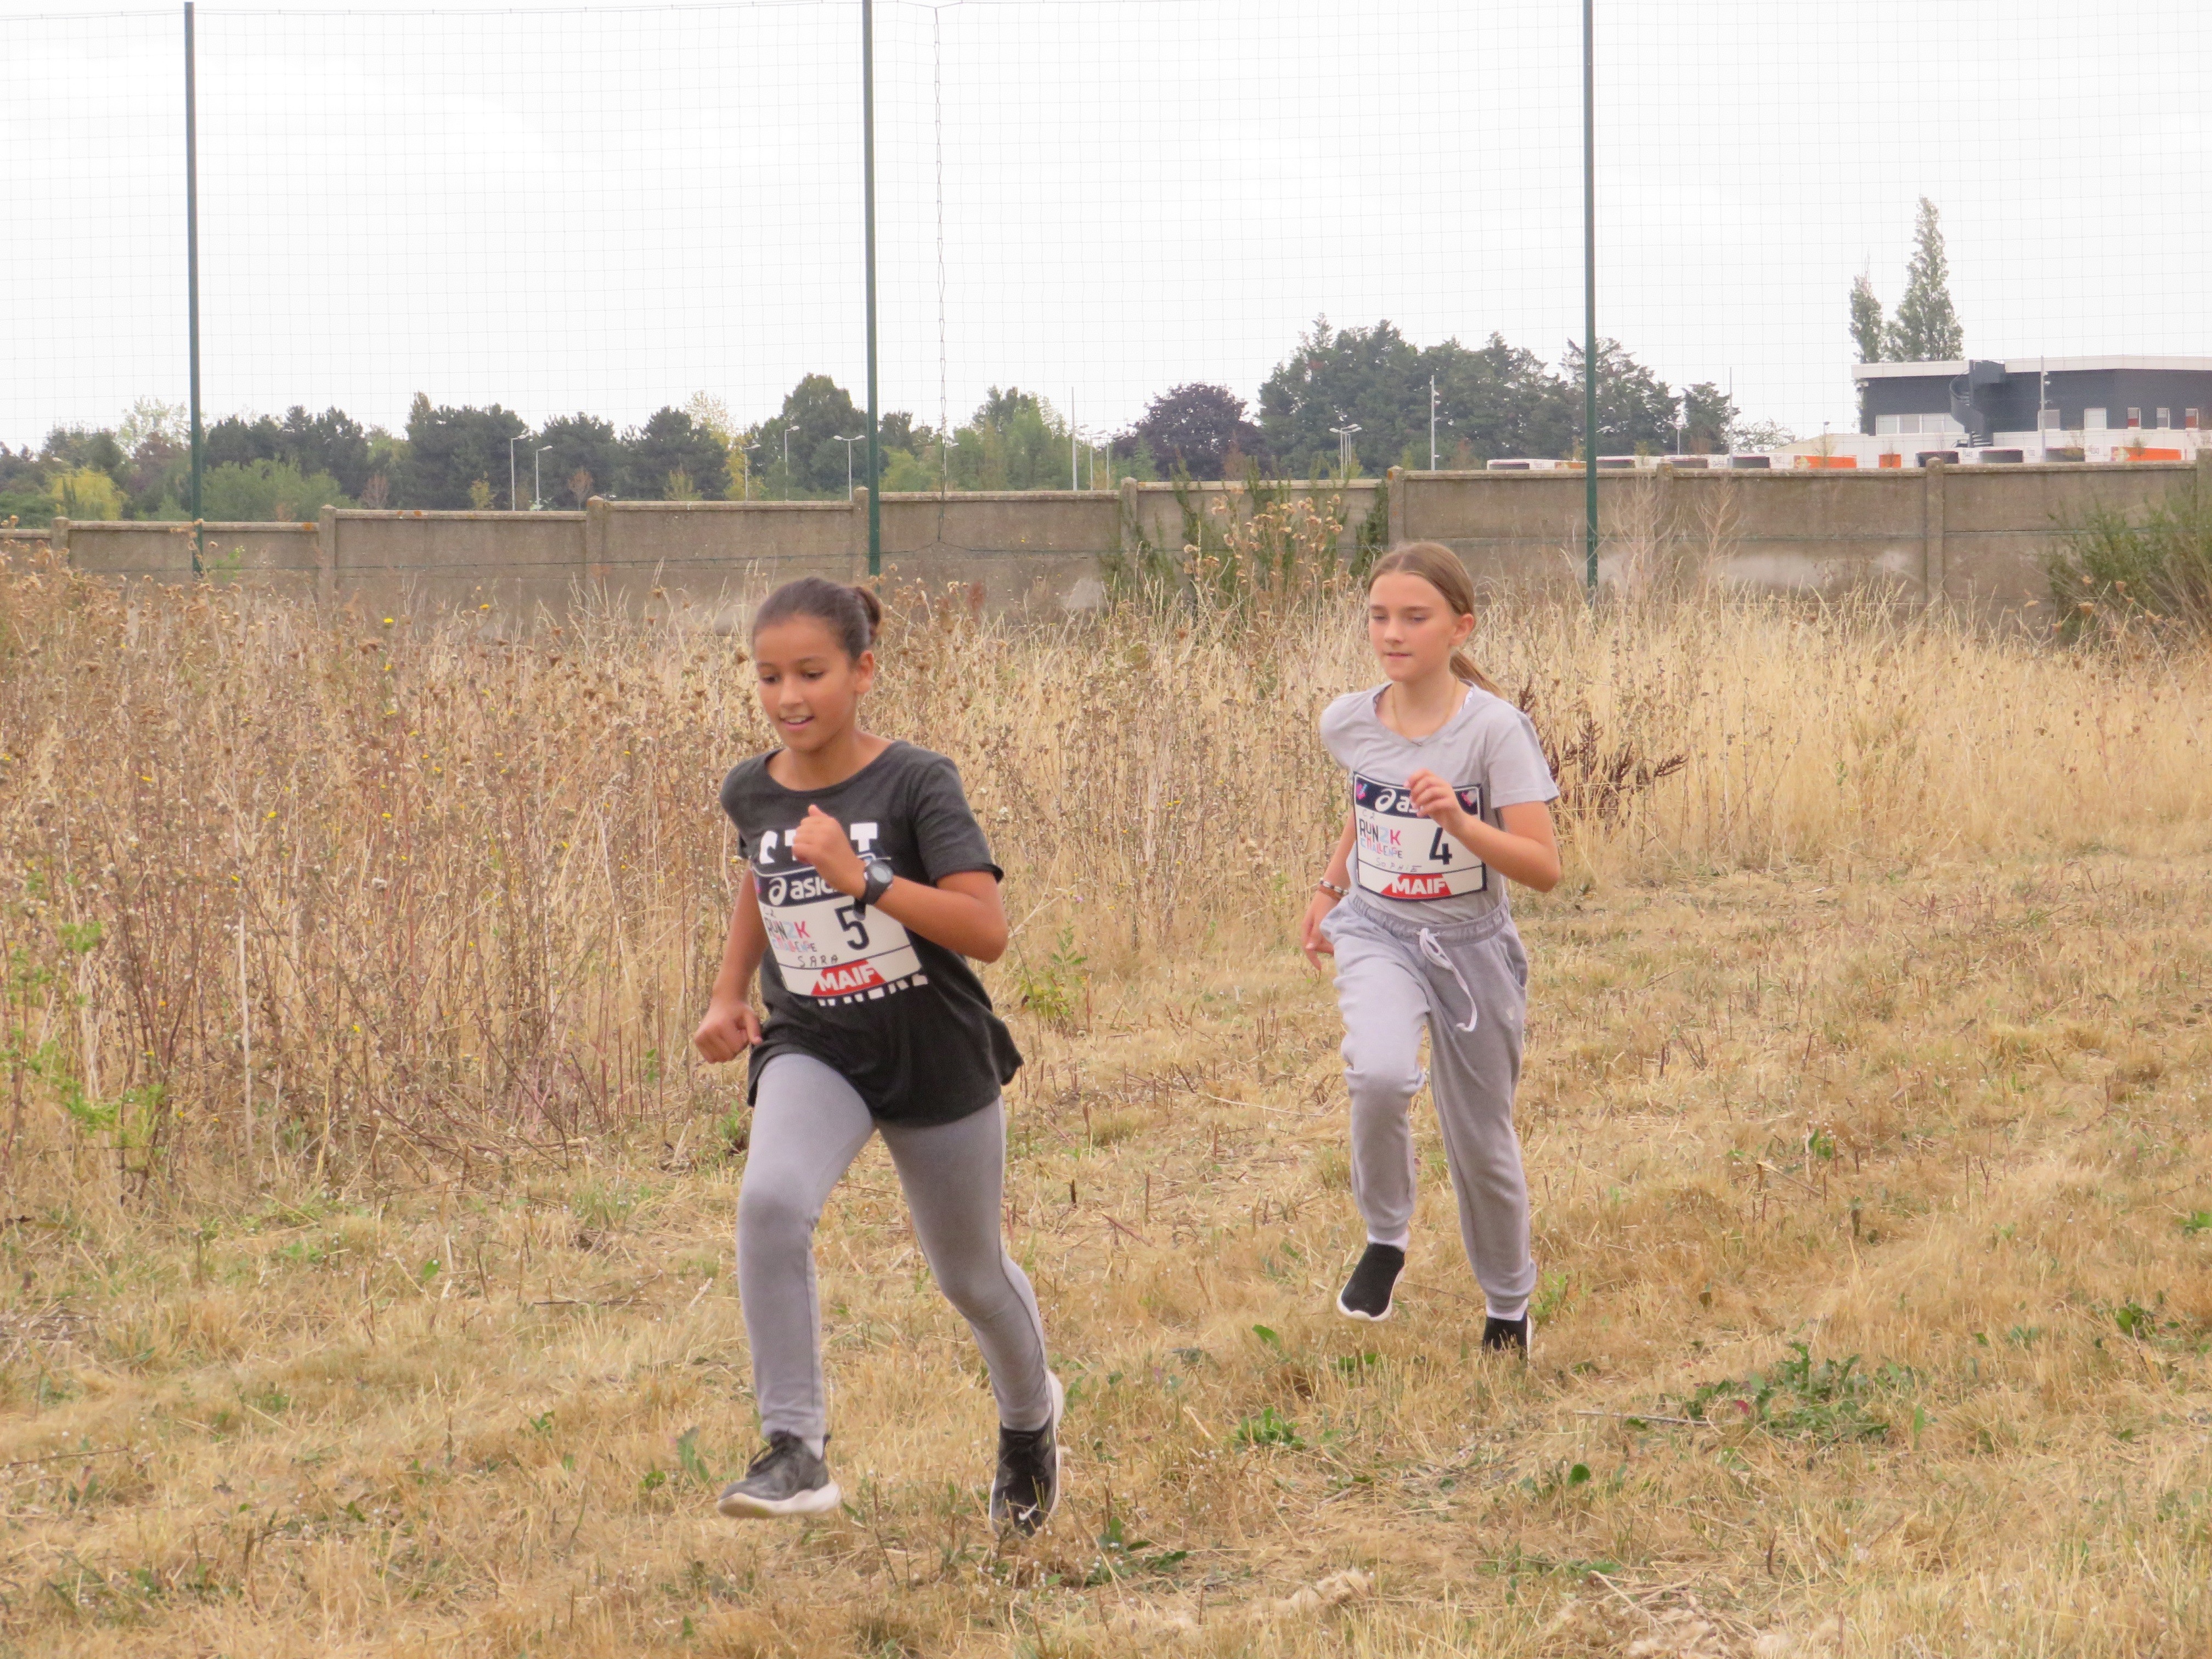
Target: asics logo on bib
1405 856
826 944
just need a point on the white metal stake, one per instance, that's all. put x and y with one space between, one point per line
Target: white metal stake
246 1027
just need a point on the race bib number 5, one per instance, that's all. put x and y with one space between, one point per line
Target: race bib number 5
1403 855
826 944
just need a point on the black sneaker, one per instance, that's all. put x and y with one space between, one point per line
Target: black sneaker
1500 1334
1366 1294
1027 1486
785 1479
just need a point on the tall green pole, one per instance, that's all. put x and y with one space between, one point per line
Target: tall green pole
868 200
192 272
1589 298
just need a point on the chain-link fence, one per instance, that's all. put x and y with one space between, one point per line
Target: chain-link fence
518 255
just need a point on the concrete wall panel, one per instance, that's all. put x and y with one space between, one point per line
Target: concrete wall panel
512 563
143 547
1159 510
716 555
1978 535
991 523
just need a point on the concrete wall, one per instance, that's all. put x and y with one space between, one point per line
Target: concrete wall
277 557
510 562
1159 513
19 548
1973 536
1003 550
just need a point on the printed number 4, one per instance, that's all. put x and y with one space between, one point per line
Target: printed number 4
856 930
1440 849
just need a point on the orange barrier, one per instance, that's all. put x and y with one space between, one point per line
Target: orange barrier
1829 463
2152 454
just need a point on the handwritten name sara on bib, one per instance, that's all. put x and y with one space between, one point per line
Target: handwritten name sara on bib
1403 855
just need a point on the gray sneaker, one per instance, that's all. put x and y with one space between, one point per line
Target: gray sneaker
1027 1485
785 1479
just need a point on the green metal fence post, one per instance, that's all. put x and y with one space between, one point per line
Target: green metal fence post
868 200
192 276
1590 299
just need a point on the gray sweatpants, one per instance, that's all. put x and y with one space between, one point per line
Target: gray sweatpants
808 1126
1392 977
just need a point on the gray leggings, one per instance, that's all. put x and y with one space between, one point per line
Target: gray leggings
808 1126
1393 977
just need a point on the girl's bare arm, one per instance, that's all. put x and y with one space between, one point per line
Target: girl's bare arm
961 911
732 1026
1338 874
1525 850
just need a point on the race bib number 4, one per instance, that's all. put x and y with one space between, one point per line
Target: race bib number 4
827 947
1403 855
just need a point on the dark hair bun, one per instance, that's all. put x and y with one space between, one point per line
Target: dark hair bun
874 608
851 614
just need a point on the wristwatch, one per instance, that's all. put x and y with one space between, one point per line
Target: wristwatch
880 876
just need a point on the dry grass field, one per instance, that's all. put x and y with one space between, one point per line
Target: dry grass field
366 1227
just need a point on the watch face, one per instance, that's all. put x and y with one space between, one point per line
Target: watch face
879 870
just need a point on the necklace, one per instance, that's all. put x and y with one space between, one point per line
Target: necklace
1393 716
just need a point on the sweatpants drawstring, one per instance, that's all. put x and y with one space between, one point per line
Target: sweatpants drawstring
1436 953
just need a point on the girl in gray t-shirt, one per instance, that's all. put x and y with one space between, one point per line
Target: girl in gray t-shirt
1450 799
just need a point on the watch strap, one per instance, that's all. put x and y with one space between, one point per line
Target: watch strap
880 878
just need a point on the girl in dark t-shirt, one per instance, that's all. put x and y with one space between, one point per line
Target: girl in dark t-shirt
868 884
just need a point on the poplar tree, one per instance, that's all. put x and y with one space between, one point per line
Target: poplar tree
1926 327
1866 320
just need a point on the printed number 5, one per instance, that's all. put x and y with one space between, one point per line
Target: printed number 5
1440 849
856 930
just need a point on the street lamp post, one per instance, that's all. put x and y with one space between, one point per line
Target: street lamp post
537 478
1432 422
751 451
858 437
786 460
511 443
1344 446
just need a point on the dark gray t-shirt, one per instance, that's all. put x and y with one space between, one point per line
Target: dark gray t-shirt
902 1018
1402 864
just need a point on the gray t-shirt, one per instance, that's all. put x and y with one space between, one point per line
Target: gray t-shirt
1402 863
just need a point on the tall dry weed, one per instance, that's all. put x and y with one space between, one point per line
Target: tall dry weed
356 896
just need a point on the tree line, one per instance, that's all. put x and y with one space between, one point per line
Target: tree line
1358 398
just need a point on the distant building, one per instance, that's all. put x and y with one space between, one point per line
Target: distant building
2058 408
2113 410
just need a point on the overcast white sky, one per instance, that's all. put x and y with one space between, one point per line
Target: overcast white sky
609 208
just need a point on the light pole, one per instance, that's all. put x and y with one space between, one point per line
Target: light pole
751 451
1432 422
537 478
857 437
1344 447
511 443
786 460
